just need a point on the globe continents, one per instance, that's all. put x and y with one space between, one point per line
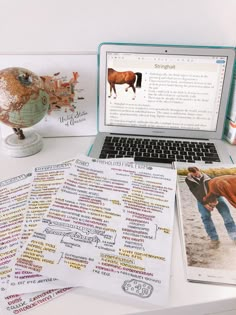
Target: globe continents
23 100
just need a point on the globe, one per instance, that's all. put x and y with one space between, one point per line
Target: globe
23 99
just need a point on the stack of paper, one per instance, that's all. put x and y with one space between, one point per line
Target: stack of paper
82 223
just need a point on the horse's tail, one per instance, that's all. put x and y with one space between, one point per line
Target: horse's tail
139 79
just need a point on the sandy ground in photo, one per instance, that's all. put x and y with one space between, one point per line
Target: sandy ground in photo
197 241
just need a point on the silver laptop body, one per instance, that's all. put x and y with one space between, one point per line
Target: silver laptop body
163 92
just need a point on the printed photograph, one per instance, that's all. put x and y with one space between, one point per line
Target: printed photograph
207 204
70 80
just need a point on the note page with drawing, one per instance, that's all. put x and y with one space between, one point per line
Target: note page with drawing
112 223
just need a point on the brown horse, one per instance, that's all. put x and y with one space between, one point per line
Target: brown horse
225 186
128 77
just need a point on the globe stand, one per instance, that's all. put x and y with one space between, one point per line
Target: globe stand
21 145
19 133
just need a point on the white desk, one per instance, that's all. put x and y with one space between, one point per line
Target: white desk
79 301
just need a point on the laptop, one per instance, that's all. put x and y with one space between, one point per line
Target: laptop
160 104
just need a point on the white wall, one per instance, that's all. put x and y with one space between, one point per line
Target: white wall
75 25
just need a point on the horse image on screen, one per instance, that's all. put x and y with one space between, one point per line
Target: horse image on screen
124 77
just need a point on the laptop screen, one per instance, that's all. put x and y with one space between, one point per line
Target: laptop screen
164 90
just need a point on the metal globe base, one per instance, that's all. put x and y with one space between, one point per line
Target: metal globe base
14 146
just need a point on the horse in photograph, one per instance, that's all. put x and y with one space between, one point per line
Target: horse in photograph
128 77
221 186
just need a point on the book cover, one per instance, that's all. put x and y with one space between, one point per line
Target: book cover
206 203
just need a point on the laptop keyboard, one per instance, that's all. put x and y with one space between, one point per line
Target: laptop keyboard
158 151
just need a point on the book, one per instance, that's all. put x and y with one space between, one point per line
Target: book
206 204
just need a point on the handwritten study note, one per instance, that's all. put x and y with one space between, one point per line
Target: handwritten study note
110 223
14 193
21 303
13 200
45 182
